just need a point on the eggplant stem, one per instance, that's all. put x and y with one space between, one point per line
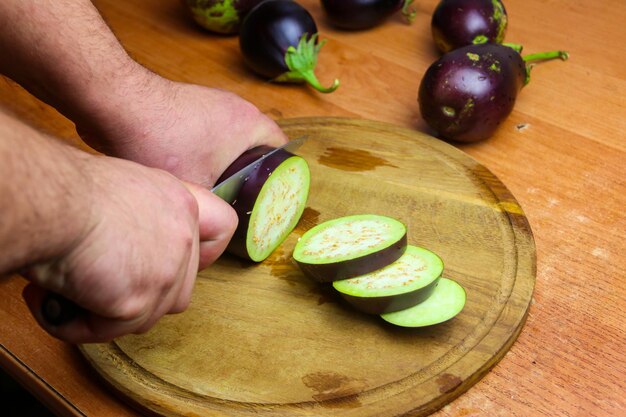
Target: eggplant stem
408 14
311 79
541 56
545 56
515 46
301 61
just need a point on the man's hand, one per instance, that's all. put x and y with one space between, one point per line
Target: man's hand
192 131
139 252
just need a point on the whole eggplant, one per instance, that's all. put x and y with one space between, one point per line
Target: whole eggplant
457 23
220 16
469 91
364 14
278 40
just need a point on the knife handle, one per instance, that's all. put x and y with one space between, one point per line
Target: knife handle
58 310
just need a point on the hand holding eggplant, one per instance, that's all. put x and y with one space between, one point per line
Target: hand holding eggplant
279 40
468 92
364 14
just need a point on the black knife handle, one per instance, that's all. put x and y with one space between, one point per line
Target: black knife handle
58 310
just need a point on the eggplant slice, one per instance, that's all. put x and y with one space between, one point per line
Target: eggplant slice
269 205
446 301
350 246
402 284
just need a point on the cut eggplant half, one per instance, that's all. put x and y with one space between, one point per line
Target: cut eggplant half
350 246
400 285
446 301
270 202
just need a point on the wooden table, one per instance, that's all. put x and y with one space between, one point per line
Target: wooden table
562 153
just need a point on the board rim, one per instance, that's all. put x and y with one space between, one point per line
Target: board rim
520 228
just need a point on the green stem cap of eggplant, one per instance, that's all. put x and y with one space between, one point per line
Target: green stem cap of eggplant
350 246
301 61
219 16
446 301
400 285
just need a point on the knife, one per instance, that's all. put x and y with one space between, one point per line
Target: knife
58 310
228 189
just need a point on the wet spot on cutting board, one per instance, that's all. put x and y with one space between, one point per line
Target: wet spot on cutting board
310 217
281 265
448 382
352 159
338 390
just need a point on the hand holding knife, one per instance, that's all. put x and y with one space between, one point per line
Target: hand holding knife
58 310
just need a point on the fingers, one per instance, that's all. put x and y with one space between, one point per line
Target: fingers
84 328
217 222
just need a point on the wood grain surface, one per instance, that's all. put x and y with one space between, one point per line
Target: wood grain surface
261 339
561 153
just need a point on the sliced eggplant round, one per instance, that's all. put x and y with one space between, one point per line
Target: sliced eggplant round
400 285
270 202
350 246
446 301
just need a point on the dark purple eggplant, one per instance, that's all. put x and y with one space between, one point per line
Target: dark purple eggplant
279 40
350 246
469 91
270 202
220 16
457 23
364 14
400 285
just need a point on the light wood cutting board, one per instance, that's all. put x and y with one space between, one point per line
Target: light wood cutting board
263 340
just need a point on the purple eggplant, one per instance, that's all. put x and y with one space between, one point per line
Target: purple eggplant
220 16
469 91
457 23
270 202
364 14
350 246
279 40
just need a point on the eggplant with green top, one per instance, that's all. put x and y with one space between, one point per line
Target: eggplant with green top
402 284
457 23
350 246
279 40
270 202
468 92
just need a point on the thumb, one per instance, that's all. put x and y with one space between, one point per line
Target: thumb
217 221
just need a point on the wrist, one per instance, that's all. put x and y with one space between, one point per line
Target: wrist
46 196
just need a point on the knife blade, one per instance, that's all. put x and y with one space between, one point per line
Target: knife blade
57 310
228 189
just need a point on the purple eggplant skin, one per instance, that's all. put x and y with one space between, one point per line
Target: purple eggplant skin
250 190
220 16
468 92
457 23
363 14
357 266
390 303
278 40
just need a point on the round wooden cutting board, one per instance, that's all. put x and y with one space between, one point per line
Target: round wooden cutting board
263 340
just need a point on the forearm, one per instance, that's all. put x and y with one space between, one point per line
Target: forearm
64 53
44 198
